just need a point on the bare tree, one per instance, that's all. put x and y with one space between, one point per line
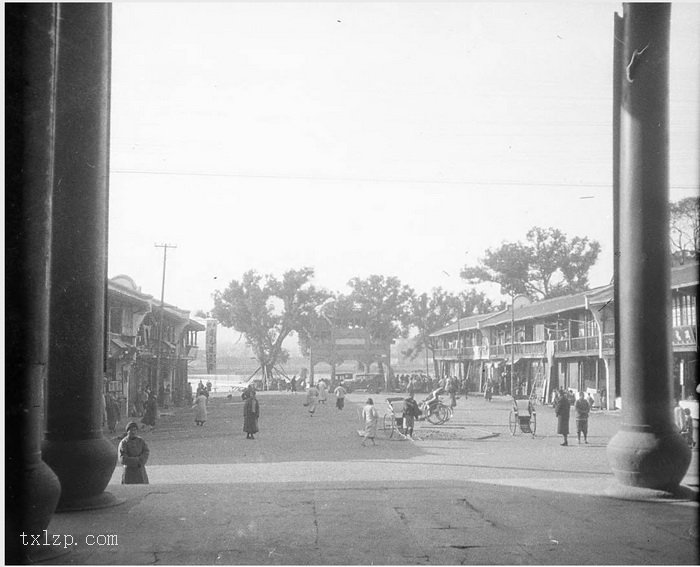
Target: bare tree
685 229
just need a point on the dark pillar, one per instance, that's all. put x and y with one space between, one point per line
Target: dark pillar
74 446
646 452
31 488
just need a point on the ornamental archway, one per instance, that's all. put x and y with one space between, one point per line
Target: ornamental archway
336 344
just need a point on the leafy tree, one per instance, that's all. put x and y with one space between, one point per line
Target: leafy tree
432 312
685 229
548 264
266 310
384 302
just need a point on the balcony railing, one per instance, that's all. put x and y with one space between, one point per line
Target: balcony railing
577 344
533 349
590 346
464 353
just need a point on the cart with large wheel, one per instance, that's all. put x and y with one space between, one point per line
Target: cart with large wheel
392 424
522 417
434 411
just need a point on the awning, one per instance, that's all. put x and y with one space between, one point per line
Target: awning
121 344
120 349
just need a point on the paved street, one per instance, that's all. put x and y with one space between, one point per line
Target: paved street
305 492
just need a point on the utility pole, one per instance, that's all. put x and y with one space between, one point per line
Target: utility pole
165 247
512 345
459 332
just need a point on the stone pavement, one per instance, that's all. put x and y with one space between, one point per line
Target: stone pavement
305 492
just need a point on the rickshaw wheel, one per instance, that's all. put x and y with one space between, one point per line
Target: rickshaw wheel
450 413
512 422
533 423
388 425
433 417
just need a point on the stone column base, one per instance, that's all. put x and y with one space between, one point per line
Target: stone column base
84 467
644 458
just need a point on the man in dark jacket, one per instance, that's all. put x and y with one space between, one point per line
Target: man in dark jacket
410 412
582 408
562 409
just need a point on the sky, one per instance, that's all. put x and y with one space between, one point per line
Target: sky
401 139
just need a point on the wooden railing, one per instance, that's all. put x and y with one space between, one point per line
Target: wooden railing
537 349
464 353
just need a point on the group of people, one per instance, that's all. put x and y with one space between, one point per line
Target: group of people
318 394
562 410
370 418
133 450
419 382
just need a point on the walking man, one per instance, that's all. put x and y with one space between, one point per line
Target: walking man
410 412
340 396
582 409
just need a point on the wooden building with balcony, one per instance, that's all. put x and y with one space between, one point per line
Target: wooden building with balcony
138 354
566 341
461 349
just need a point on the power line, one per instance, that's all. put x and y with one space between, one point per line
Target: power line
375 179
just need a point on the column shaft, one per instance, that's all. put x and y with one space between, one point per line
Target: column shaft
31 489
646 452
75 447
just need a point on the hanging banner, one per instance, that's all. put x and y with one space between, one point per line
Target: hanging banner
211 346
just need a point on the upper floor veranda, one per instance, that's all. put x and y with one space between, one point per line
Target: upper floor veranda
578 325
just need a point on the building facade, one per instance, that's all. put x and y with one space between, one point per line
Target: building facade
564 342
139 355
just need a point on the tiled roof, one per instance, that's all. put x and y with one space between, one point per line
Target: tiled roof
681 276
465 324
117 288
543 308
195 326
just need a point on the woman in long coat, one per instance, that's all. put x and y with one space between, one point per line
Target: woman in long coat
151 414
113 412
133 455
311 399
322 392
562 409
251 413
200 409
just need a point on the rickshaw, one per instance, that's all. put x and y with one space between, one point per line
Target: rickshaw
392 424
433 409
523 416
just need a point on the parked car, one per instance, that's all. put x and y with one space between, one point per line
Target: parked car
372 383
341 377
